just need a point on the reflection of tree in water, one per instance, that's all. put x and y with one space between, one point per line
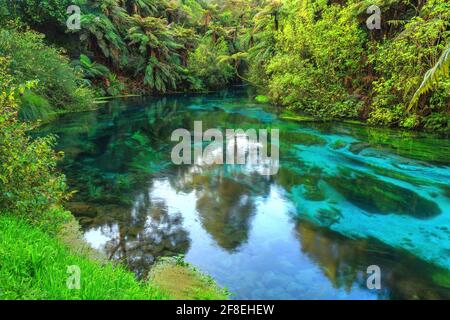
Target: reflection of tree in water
225 208
110 150
142 234
114 152
225 200
344 261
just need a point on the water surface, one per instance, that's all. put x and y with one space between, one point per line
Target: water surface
346 197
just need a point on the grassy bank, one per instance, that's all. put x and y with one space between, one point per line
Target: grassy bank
34 265
39 239
182 281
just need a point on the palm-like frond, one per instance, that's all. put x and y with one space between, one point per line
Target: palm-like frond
146 7
107 36
432 76
234 58
265 16
90 69
160 75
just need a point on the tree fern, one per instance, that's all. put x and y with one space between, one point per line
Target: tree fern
90 69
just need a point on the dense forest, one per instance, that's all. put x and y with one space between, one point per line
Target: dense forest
309 58
312 57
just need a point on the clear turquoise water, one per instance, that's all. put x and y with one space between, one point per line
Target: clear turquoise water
346 197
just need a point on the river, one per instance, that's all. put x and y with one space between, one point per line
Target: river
346 197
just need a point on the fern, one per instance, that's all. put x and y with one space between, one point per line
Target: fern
89 69
432 76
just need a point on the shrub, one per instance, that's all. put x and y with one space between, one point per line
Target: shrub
52 13
31 59
318 62
34 107
204 63
29 186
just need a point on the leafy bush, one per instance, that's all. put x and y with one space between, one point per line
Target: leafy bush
35 12
98 77
401 63
320 58
317 62
438 122
29 186
33 106
32 59
204 63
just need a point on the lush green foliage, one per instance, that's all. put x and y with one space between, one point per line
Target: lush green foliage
34 266
32 60
316 57
206 64
320 58
400 63
317 61
147 41
29 186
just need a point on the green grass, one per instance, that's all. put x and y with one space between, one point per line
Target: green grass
34 265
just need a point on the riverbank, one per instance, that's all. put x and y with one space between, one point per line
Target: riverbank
40 241
35 265
302 117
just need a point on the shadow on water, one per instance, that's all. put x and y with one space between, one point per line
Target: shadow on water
344 261
346 197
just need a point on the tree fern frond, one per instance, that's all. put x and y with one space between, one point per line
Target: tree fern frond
432 76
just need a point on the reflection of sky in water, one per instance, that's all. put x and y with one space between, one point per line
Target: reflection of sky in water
269 264
346 197
250 152
99 237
